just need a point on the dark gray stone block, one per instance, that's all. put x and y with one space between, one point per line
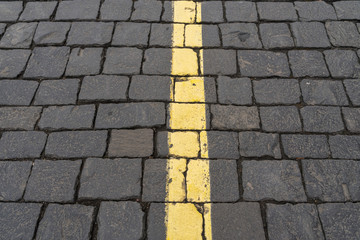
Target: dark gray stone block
234 90
57 92
275 35
10 11
347 10
38 11
122 61
155 180
12 62
310 34
343 34
19 118
116 10
342 63
90 33
277 91
210 36
212 11
150 88
322 119
345 146
157 61
305 146
18 35
2 28
219 62
280 119
161 34
257 144
307 63
315 11
351 118
84 61
77 10
17 92
221 144
240 35
51 32
131 34
277 11
147 10
156 227
241 11
353 89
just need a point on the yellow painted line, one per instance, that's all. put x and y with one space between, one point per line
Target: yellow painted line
188 138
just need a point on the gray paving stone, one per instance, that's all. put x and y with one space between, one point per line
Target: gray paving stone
19 118
47 62
76 144
38 11
110 179
52 181
275 35
150 88
219 61
131 143
51 32
345 146
310 34
353 88
241 11
305 146
168 14
57 92
14 176
212 12
17 92
28 144
276 91
315 11
156 228
240 35
332 180
10 11
236 221
162 144
322 119
298 221
280 119
351 118
157 61
278 180
340 220
122 61
257 144
161 34
307 63
116 10
347 10
18 220
343 34
126 115
323 92
257 63
155 180
90 33
2 28
77 10
234 117
84 61
342 63
131 34
12 62
103 88
18 35
66 221
210 36
67 117
209 86
223 145
234 90
147 10
277 11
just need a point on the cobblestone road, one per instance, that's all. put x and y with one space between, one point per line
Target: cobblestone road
90 91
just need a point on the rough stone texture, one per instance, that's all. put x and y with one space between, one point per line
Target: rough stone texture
298 221
131 143
57 92
241 11
345 146
66 222
28 144
14 176
147 10
115 179
155 180
278 180
277 11
161 34
255 63
67 117
349 10
280 119
84 61
323 92
157 61
210 36
305 146
234 117
2 28
332 180
38 11
277 91
343 34
219 61
351 118
128 115
10 11
322 119
257 144
310 34
116 10
77 10
275 35
19 118
315 11
353 89
12 62
342 63
234 90
51 32
150 88
18 35
131 34
223 145
240 35
90 33
156 228
76 144
307 63
122 61
18 219
52 181
211 11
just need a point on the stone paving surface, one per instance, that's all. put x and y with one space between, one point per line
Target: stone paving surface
84 120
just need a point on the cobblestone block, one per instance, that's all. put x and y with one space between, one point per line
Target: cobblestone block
315 11
17 92
280 119
343 34
161 34
67 117
155 180
323 92
150 88
14 176
116 10
131 34
84 61
18 35
110 179
351 118
240 35
57 92
77 10
76 144
90 33
298 221
277 91
263 63
123 61
38 11
212 11
187 89
277 11
322 119
51 32
219 61
103 88
157 61
2 28
278 180
66 221
332 180
345 146
307 63
12 62
52 181
234 90
47 62
257 144
147 10
342 63
19 118
276 35
210 36
349 10
234 117
28 144
241 11
221 144
310 34
10 11
353 88
305 146
156 229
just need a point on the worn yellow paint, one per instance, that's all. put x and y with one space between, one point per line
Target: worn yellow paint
190 89
184 144
186 116
193 33
198 181
204 145
207 221
176 180
184 12
179 30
